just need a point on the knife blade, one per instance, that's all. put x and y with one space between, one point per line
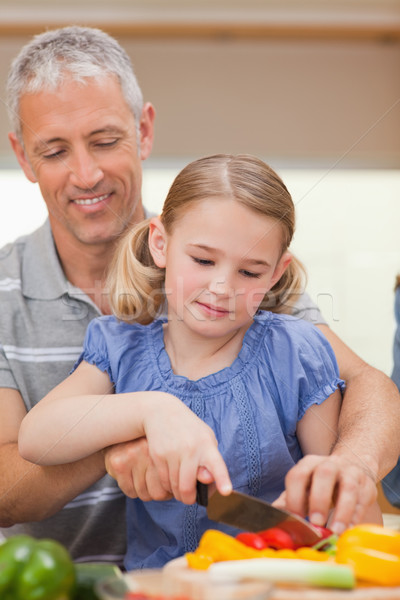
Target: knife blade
252 514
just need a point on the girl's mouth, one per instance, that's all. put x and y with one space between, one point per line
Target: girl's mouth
213 310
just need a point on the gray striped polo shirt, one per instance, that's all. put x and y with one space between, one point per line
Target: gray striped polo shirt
43 321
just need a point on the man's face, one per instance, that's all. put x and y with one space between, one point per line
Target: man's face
81 146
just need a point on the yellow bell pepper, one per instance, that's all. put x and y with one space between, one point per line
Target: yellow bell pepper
221 546
312 554
369 565
199 561
376 537
373 552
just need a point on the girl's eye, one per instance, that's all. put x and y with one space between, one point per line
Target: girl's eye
250 274
202 261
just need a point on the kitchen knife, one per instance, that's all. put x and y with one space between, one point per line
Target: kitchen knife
252 514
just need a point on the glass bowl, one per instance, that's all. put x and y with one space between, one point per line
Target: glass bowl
159 584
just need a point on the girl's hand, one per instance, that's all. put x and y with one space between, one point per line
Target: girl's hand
183 449
129 463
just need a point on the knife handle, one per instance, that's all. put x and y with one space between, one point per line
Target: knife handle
201 493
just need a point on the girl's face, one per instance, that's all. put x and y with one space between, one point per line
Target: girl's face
220 259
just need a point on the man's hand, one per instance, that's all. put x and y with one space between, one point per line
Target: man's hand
129 463
317 483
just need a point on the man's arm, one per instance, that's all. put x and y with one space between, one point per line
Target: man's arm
29 492
366 449
369 421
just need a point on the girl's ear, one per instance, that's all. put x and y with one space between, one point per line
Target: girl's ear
157 242
281 267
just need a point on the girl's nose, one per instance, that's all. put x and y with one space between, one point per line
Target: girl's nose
220 285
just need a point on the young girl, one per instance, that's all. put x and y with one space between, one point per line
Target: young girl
265 384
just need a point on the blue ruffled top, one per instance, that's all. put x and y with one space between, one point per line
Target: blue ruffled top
285 365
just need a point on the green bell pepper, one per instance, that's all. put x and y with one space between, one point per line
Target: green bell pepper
35 569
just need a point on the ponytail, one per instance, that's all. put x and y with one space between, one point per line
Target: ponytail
285 293
134 282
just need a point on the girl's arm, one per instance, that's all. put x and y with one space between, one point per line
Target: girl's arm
317 430
82 416
317 435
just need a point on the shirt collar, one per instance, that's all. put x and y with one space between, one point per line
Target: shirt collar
43 277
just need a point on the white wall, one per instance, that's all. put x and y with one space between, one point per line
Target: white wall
347 236
308 100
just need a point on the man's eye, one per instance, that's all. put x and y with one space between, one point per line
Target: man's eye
106 144
202 261
52 155
250 274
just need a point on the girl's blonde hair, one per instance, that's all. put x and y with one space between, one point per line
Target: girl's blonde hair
136 284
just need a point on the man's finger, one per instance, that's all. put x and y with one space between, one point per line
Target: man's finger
356 493
297 484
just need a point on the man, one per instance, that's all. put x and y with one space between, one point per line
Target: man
83 144
391 483
80 130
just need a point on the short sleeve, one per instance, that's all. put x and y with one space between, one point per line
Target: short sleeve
303 365
95 349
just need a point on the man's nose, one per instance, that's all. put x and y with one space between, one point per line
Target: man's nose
85 170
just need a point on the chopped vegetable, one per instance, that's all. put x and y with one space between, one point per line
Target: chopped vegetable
371 536
372 566
216 546
287 571
367 553
312 554
373 552
323 531
277 538
254 540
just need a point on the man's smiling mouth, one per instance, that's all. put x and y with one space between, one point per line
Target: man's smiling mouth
89 201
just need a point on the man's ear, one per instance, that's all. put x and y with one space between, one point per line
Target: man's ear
157 242
281 267
21 157
147 130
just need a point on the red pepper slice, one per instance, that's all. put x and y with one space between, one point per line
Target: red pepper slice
277 538
324 531
254 540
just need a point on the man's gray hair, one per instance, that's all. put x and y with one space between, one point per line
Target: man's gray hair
80 52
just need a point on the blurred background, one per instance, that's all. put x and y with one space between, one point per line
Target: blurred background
312 87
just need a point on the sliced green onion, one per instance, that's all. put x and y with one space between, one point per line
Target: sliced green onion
286 570
328 544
